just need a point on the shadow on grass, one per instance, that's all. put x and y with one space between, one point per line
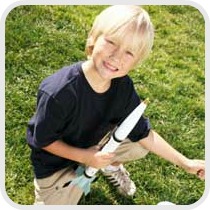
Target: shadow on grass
95 197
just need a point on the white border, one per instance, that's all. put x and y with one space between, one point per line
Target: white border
8 5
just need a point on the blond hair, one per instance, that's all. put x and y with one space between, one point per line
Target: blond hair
119 19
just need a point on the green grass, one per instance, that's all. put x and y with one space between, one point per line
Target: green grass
42 39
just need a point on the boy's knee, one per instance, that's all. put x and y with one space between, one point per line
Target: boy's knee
129 151
150 137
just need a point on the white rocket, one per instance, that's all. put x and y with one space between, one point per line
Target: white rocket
121 133
86 176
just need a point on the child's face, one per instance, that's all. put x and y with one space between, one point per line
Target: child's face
113 57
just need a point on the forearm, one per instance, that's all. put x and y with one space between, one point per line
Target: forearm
90 156
157 145
64 150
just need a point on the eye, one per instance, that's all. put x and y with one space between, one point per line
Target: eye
129 53
109 41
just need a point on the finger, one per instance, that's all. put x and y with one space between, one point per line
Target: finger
97 147
201 174
108 155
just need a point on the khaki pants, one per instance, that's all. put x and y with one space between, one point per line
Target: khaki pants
55 189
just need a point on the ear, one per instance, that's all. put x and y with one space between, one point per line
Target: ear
89 50
89 46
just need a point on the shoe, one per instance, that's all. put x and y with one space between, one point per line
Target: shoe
121 180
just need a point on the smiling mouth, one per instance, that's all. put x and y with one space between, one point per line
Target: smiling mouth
110 67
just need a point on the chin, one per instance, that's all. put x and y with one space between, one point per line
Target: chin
106 75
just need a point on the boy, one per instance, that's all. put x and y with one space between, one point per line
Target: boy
78 105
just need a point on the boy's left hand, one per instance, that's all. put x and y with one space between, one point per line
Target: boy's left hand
196 167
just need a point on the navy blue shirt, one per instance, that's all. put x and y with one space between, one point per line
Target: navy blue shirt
70 110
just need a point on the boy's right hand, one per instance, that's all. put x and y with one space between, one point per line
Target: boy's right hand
98 159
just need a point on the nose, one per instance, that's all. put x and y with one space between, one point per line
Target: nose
116 55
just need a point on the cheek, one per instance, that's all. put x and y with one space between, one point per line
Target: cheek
128 62
98 50
103 49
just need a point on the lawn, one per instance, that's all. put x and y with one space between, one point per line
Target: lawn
42 39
